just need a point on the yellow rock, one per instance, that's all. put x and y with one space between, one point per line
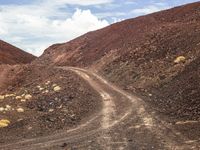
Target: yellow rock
18 97
41 89
4 123
20 110
28 96
23 100
54 85
1 109
57 88
2 97
9 95
180 59
46 91
8 107
51 110
48 82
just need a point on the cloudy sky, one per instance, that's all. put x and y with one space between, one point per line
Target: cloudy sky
34 25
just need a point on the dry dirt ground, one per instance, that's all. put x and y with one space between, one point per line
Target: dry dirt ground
154 57
45 101
122 122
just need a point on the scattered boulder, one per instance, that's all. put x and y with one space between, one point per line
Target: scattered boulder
1 109
179 59
57 88
28 96
4 123
20 110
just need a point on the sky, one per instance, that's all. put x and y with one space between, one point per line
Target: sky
35 25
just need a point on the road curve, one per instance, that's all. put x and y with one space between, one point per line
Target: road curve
123 123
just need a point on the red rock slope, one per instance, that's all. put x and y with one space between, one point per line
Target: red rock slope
10 54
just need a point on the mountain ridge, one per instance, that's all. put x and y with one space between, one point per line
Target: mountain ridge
10 54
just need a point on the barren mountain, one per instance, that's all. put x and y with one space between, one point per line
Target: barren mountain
131 85
10 59
10 54
142 56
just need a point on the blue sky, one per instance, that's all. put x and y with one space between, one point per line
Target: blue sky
35 25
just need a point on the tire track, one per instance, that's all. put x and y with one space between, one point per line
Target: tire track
110 117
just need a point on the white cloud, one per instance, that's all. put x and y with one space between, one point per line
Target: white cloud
148 10
36 26
78 2
110 14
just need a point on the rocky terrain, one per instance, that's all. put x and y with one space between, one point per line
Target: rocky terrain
12 60
43 101
10 54
149 56
131 85
37 100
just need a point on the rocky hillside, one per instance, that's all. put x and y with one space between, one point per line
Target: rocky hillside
42 101
11 58
155 56
10 54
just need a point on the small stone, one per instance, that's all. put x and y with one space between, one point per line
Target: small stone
54 85
18 97
41 89
29 128
9 95
48 82
1 109
4 123
150 94
180 59
2 97
23 100
8 107
57 88
28 96
51 110
20 110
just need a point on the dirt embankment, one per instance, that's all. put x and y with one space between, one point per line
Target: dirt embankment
43 101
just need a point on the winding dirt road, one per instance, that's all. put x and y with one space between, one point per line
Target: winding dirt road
124 122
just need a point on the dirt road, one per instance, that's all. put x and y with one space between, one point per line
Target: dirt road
124 122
